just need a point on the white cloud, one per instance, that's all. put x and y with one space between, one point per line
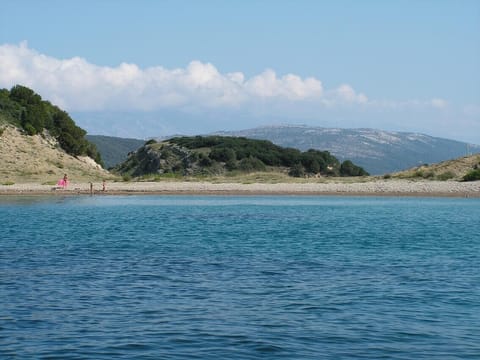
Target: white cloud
347 94
78 85
292 87
439 103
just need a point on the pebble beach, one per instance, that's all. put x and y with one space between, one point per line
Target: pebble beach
370 188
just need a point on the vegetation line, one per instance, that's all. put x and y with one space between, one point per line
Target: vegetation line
24 108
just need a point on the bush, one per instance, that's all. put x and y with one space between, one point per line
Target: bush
30 129
251 164
424 175
297 170
473 175
350 169
223 154
204 160
446 176
429 175
312 165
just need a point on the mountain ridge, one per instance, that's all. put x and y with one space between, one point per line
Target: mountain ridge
377 151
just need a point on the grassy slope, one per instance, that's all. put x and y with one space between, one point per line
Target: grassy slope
450 169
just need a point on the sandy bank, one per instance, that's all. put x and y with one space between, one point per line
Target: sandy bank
373 188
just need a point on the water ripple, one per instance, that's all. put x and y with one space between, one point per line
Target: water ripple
240 278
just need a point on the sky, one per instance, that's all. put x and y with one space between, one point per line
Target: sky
150 68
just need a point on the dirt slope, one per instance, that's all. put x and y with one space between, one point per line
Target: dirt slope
40 159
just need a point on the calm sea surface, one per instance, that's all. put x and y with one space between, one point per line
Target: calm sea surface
189 277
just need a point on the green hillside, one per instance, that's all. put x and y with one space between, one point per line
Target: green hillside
25 109
114 150
215 155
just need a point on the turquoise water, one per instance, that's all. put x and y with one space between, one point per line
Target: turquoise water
152 277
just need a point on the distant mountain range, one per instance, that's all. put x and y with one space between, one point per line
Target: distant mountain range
377 151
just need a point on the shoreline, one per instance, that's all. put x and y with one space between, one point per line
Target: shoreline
394 188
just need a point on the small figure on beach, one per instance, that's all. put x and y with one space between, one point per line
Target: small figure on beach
63 182
91 188
104 184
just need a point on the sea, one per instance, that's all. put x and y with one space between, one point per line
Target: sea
239 277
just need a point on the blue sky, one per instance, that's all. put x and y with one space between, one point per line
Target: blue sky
150 68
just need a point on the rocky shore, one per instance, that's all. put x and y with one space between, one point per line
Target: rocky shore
382 187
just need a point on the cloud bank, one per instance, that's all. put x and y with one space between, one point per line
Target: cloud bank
199 98
78 85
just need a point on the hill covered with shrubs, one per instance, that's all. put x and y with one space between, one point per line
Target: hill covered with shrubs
465 168
217 155
25 109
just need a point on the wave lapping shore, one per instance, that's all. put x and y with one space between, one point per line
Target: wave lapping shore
372 188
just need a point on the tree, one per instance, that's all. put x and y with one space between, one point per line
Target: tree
297 170
251 164
350 169
223 154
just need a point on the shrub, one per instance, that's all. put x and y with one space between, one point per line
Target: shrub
30 129
446 176
231 165
429 175
204 160
251 164
473 175
223 154
350 169
8 183
424 175
297 170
